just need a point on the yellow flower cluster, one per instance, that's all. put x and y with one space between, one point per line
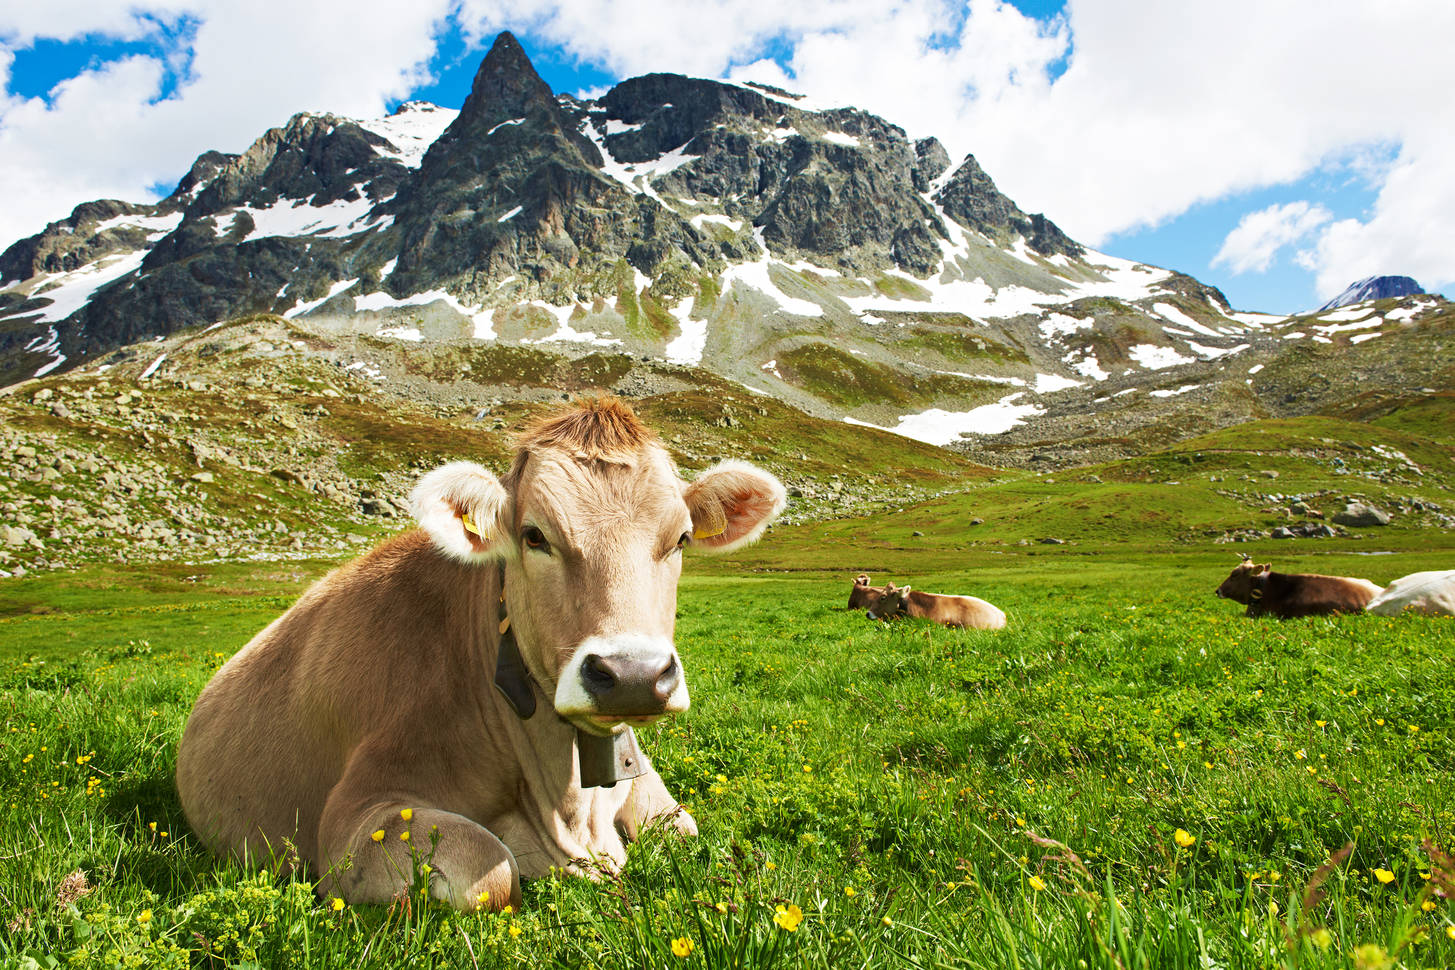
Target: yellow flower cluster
788 917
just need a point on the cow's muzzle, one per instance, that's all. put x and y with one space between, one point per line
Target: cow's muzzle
627 678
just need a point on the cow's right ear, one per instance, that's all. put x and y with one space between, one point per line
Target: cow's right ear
904 588
462 507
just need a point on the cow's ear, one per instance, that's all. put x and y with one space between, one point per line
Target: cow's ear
889 587
462 507
904 588
731 504
1266 567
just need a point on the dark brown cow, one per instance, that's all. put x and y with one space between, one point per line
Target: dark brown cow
969 612
862 595
1286 595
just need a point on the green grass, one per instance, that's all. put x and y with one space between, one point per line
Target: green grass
942 776
850 381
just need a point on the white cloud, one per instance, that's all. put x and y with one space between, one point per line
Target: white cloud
1260 235
108 133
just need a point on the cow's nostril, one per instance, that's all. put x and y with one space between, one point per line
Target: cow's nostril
667 680
597 675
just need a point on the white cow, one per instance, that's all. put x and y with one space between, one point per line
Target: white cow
1431 593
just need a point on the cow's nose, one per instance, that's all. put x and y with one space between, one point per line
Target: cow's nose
630 684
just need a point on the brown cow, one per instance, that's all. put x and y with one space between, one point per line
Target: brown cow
407 709
862 594
1286 595
969 612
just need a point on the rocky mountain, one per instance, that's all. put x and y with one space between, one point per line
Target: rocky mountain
1374 288
735 232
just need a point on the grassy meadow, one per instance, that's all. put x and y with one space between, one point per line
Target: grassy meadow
1130 775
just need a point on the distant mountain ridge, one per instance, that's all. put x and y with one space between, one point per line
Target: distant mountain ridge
816 254
1374 288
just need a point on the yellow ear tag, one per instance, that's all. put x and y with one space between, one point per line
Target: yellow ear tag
704 534
470 526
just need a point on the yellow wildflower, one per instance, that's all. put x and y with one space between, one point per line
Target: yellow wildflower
1379 721
721 908
1428 905
788 917
145 917
1321 723
378 835
338 904
406 813
515 930
483 898
1450 932
508 909
1184 838
886 920
1384 875
1272 908
404 836
850 891
1300 754
1372 956
682 947
1037 884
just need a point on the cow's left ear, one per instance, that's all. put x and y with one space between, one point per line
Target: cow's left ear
461 506
731 504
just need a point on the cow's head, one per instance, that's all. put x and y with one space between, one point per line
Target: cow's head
891 603
591 521
1243 583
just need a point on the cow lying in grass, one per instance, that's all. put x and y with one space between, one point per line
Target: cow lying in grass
968 612
1287 595
1429 594
862 595
463 694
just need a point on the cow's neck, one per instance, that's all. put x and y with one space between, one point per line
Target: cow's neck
603 761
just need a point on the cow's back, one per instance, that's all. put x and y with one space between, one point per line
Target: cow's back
969 612
1429 593
270 734
1290 595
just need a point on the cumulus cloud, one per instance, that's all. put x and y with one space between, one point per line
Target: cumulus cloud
1260 235
108 132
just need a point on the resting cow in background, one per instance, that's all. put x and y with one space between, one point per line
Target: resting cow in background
464 692
968 612
1430 594
1286 595
862 595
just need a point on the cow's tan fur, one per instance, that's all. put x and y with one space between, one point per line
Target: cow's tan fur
969 612
374 693
862 595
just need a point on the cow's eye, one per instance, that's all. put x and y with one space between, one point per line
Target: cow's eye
683 542
535 539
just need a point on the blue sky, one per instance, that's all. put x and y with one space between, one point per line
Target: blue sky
1222 140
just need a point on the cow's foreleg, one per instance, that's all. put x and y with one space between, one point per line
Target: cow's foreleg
649 802
371 853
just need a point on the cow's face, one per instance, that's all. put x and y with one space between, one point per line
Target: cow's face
1240 584
891 603
593 552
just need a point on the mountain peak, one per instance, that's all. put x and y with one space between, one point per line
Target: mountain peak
506 85
1374 288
